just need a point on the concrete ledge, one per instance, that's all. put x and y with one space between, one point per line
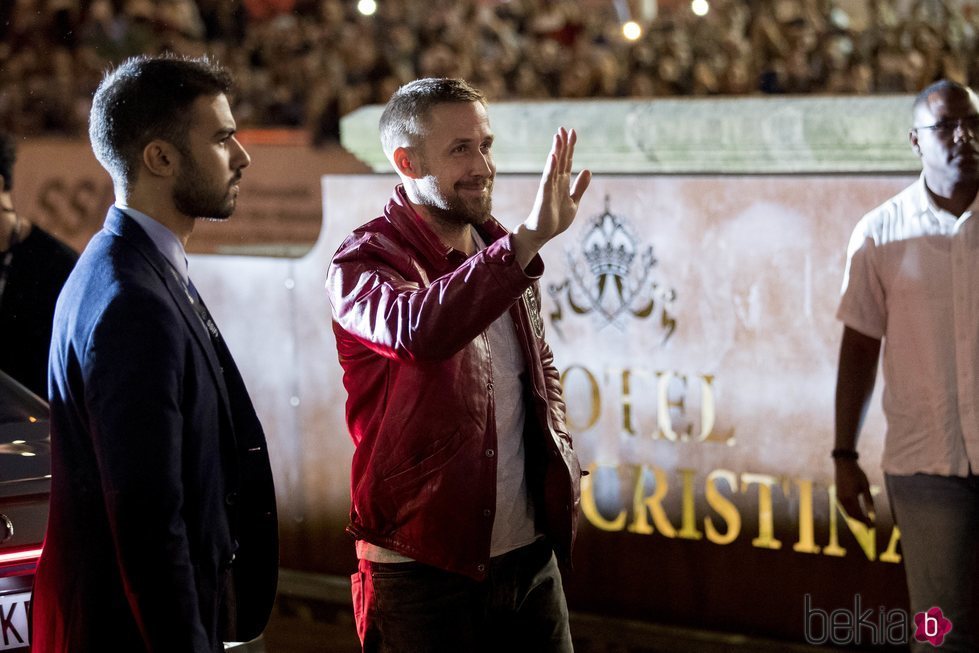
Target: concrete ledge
746 135
593 633
320 587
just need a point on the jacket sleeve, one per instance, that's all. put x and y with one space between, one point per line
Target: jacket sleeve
133 382
552 384
380 296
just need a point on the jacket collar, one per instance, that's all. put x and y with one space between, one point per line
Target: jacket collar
125 227
122 225
416 231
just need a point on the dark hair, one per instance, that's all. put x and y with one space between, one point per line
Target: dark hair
147 98
404 117
8 156
941 85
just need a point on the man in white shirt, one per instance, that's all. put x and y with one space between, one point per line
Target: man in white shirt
912 282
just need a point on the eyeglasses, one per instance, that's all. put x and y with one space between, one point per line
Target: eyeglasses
948 126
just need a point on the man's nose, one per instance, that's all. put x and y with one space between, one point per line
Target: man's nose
964 131
483 164
241 158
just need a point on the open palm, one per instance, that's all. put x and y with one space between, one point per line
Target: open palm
557 199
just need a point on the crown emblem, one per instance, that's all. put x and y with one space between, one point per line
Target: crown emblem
609 246
620 285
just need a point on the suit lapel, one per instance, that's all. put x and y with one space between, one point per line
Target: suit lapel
120 224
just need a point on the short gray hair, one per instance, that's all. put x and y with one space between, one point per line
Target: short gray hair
406 113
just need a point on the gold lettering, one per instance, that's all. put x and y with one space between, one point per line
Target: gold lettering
866 536
766 529
653 504
596 399
627 403
723 506
671 399
891 555
688 515
833 548
590 509
807 538
664 421
708 414
724 524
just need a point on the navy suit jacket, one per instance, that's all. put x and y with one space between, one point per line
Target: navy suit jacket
162 534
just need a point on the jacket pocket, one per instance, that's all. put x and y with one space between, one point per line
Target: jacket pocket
427 463
359 595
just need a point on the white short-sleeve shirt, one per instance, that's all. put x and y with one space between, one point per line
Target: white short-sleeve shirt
912 279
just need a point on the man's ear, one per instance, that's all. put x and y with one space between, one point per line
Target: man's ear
406 162
3 184
913 137
160 158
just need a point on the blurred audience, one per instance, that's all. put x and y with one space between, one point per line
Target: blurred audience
305 63
33 267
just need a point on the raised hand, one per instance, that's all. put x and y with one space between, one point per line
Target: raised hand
557 199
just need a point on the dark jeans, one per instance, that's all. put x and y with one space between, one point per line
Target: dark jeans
410 607
939 521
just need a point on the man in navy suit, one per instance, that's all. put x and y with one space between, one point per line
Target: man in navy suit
162 534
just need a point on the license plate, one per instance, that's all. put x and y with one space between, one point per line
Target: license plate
13 621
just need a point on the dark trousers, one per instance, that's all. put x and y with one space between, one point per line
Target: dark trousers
939 521
410 607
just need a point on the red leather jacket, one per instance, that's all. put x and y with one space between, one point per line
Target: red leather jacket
409 318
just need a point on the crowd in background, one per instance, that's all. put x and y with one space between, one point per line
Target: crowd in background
305 63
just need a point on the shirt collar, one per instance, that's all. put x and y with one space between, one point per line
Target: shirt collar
924 204
165 240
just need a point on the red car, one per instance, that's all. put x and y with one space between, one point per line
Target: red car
25 482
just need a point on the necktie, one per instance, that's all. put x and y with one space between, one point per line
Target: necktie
217 343
203 313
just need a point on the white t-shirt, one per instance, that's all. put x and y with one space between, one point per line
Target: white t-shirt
513 524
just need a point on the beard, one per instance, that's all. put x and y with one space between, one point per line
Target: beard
456 209
196 196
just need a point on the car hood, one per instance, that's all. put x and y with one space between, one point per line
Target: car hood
25 444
